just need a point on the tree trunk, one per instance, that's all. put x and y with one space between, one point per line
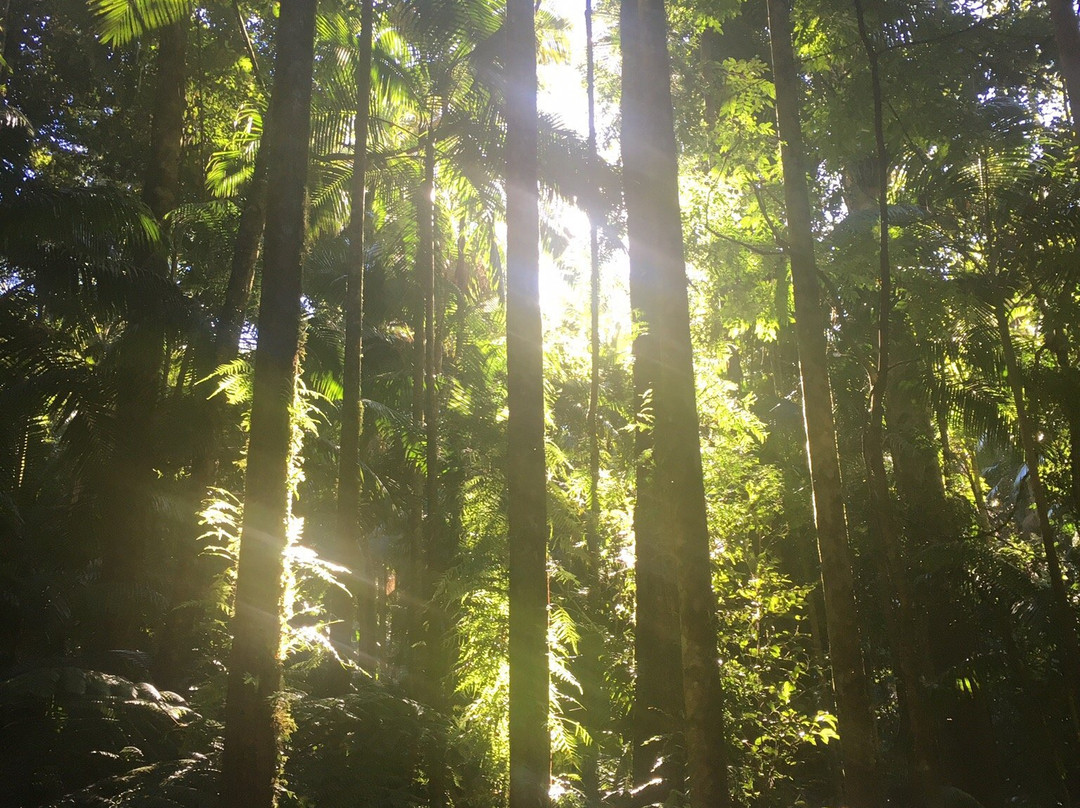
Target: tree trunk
1059 345
245 257
1067 36
1062 619
176 641
128 497
858 739
967 752
425 259
658 281
530 755
352 547
658 691
252 710
592 641
909 643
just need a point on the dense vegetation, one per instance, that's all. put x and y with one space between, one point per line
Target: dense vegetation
372 434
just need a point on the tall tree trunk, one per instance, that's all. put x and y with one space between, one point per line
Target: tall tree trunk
966 748
592 696
437 552
176 640
858 738
352 547
658 690
658 276
530 753
128 501
1067 37
1062 618
1059 344
425 258
245 257
431 409
252 708
414 580
910 648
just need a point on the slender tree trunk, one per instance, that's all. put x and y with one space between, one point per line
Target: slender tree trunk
657 271
530 754
176 640
252 709
967 752
1062 619
414 580
161 183
431 409
128 496
1067 37
658 690
592 697
15 141
910 647
245 257
437 554
1071 407
425 259
352 547
858 738
594 300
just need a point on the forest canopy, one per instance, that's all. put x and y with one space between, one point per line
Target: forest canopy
539 403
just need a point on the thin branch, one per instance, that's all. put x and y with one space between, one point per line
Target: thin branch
255 70
754 248
778 236
940 37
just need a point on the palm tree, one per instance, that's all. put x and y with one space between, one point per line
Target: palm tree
252 717
349 539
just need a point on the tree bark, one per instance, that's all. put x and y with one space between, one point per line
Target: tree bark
592 696
128 496
352 547
967 753
658 284
245 257
250 758
658 757
1067 36
425 259
1059 344
176 641
1062 618
908 642
526 468
858 738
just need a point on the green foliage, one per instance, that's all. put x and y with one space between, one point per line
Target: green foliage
373 746
120 21
983 191
68 727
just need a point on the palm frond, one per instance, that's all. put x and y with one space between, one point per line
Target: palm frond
121 21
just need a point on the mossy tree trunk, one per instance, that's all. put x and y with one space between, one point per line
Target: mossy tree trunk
351 547
250 757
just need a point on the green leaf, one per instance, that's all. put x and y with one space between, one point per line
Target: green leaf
120 21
